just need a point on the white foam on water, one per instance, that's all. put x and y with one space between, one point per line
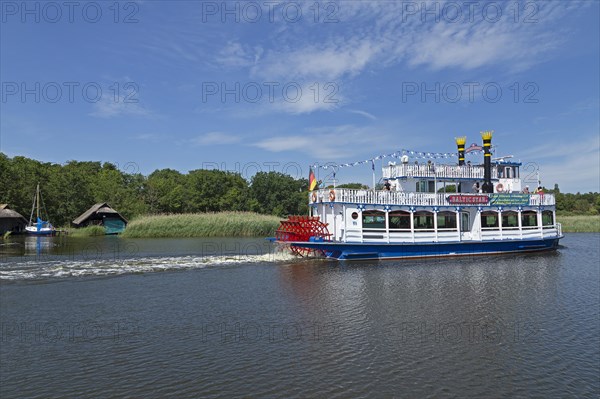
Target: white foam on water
39 270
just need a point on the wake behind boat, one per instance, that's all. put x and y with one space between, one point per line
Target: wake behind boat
40 226
414 216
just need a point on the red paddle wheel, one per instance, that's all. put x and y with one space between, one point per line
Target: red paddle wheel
302 228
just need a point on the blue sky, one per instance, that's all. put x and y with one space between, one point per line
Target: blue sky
249 86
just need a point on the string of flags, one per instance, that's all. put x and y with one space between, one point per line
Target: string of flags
474 149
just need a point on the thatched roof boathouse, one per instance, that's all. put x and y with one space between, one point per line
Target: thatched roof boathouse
11 220
102 215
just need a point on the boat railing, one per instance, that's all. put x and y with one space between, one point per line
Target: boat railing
384 197
542 199
353 234
436 171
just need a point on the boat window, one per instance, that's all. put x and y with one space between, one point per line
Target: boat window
509 219
508 170
446 220
500 174
423 220
529 218
399 220
489 219
354 215
465 225
425 186
547 218
373 220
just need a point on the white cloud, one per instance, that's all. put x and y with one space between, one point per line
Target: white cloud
330 143
385 34
109 107
363 113
457 46
327 62
234 54
152 137
307 98
214 138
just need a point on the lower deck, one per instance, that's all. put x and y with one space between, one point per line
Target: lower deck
356 223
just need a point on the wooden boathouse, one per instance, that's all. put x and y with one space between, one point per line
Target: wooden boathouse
11 221
102 215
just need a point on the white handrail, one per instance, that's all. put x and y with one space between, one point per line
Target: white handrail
436 171
384 197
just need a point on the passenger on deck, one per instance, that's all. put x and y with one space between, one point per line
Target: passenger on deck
525 190
539 190
476 188
387 186
430 166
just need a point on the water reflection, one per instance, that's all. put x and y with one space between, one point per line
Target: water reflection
394 293
503 326
37 245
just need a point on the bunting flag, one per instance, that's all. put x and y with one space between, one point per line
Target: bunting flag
312 180
472 150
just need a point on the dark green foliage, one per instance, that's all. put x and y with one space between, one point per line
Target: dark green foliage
450 188
278 194
70 189
355 186
576 204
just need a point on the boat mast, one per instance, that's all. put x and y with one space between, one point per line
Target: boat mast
37 197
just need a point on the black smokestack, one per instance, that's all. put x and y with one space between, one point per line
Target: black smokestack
460 142
487 186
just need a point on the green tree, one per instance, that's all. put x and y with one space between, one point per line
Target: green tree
166 191
450 188
279 194
355 186
215 190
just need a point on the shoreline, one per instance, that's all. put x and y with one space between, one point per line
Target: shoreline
249 224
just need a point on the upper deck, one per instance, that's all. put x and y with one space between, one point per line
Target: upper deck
384 197
433 171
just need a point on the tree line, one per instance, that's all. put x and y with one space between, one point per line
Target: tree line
70 189
575 204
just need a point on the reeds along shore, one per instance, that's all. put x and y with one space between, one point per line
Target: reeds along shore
223 224
88 231
247 224
580 223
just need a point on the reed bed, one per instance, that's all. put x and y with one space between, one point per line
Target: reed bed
222 224
580 223
89 231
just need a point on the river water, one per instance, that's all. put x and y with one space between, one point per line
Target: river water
155 318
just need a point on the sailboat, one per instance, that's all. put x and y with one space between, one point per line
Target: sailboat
40 227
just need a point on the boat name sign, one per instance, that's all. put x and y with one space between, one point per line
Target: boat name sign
468 199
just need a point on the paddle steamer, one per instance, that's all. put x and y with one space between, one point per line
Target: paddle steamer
491 211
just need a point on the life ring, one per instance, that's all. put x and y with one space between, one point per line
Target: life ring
499 187
314 197
332 196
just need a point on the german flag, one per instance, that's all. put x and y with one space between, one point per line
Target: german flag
312 180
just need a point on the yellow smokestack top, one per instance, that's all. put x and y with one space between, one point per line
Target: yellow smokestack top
461 140
487 135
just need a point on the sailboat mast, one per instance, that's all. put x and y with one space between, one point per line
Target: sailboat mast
38 199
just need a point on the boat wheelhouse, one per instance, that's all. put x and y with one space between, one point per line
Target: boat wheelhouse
430 209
